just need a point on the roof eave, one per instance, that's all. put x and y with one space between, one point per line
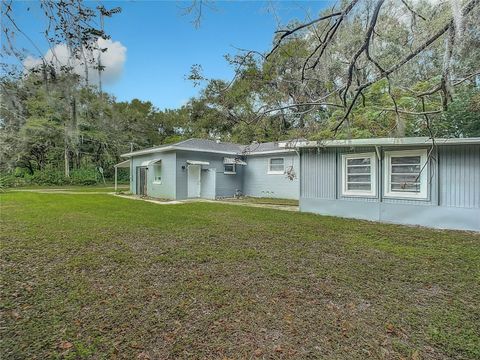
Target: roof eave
173 148
388 142
279 151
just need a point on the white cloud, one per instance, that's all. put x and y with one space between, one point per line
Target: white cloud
113 59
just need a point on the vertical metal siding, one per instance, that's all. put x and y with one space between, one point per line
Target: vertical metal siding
460 176
318 173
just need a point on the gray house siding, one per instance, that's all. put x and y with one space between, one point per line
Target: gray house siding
166 189
258 183
453 198
460 176
225 184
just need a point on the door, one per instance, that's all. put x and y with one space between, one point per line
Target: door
208 184
141 180
194 183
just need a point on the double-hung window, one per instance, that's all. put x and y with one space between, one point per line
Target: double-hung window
406 174
359 174
229 169
276 166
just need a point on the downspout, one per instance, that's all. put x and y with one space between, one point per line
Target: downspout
299 154
437 175
378 151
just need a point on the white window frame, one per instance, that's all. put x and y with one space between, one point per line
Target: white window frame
424 169
275 172
157 167
373 175
230 172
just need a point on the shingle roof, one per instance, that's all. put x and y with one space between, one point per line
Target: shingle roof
256 147
203 144
212 146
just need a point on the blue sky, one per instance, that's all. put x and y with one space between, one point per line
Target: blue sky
162 44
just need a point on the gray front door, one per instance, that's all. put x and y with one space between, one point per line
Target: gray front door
141 180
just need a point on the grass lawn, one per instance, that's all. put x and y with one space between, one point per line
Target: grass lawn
75 188
97 276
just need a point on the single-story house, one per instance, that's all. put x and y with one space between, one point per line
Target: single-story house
198 168
413 181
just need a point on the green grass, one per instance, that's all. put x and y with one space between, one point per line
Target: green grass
73 188
96 276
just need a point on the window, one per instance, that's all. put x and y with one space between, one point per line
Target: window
276 166
406 174
229 169
157 174
358 174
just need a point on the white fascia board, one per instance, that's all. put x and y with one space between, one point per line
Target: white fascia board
170 148
148 151
268 152
412 141
123 164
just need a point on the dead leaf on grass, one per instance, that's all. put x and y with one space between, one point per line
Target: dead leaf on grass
65 345
15 315
136 345
416 355
143 356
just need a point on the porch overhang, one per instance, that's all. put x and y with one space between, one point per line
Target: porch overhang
123 164
151 162
227 160
197 162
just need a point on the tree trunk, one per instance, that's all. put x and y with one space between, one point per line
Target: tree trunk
400 127
66 152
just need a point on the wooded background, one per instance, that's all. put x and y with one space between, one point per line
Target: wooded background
360 69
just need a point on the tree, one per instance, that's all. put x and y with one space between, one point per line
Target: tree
364 68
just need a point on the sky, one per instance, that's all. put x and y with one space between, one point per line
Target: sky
154 44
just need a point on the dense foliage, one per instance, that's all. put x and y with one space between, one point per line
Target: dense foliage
57 129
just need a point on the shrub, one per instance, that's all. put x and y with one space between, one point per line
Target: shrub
85 176
49 177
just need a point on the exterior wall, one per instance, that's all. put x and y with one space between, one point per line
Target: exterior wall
257 182
460 176
164 190
453 199
225 184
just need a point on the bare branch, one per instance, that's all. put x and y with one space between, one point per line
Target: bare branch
413 11
286 33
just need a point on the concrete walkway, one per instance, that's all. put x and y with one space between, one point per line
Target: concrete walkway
163 202
238 203
153 201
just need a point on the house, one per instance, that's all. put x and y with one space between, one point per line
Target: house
198 168
413 181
